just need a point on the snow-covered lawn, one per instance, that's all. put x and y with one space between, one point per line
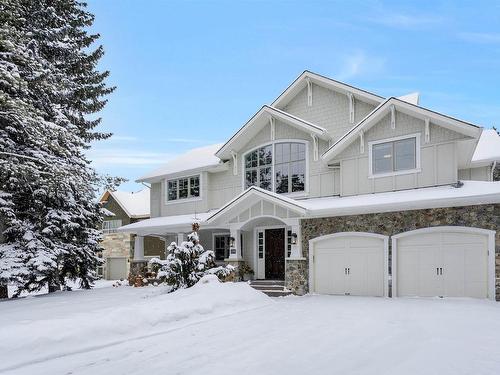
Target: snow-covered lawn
230 328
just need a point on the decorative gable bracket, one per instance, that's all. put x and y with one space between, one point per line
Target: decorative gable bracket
361 142
309 93
234 155
427 130
393 117
351 108
315 147
272 124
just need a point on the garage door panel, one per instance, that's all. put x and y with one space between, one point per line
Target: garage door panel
442 263
364 256
329 277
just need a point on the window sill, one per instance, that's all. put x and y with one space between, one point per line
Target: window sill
399 173
184 200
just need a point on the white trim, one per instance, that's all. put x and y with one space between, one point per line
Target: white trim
183 200
287 118
342 88
258 229
273 177
417 168
415 111
313 241
457 229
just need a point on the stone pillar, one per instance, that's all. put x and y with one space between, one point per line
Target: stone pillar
139 248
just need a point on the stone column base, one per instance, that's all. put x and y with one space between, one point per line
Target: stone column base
297 276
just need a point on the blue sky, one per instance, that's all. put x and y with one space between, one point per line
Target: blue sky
191 73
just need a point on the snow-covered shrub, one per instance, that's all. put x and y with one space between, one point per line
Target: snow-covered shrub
188 262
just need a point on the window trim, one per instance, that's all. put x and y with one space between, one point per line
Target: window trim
417 168
273 180
111 229
219 234
183 200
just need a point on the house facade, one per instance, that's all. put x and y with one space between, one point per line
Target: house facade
337 190
124 208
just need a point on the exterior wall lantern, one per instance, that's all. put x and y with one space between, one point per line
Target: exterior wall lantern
231 242
294 239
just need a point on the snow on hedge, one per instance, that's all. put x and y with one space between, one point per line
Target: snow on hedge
50 326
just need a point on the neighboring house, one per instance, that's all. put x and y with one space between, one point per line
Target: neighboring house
337 190
123 208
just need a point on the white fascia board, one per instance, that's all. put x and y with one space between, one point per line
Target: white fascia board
220 167
262 194
300 82
401 106
259 121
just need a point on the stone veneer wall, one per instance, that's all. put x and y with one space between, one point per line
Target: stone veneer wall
391 223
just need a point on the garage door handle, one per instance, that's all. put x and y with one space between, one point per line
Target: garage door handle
441 270
437 271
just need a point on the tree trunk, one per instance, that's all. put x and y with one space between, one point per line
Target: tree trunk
4 293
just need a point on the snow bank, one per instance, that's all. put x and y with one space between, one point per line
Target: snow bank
42 328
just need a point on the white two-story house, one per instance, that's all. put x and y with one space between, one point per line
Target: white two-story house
337 190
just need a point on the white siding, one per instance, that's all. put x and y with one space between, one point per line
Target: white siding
438 158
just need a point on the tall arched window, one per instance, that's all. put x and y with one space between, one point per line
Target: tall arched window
279 167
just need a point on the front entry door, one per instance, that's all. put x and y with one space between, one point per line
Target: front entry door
275 254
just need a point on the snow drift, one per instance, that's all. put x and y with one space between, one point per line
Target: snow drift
86 320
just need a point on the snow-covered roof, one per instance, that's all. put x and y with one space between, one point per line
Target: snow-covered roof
201 158
416 111
488 147
135 205
471 193
159 225
412 98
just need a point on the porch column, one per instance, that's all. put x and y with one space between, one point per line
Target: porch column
181 237
139 248
235 250
296 249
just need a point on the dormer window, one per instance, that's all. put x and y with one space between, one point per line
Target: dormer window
394 156
278 167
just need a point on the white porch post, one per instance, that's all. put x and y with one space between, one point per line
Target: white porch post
296 249
139 248
181 237
235 250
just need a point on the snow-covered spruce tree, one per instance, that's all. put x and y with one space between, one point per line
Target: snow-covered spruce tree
49 88
188 262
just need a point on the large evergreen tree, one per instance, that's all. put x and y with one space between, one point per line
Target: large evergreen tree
50 88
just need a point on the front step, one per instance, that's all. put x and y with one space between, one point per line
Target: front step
272 288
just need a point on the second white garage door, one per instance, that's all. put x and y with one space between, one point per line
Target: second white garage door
441 261
349 264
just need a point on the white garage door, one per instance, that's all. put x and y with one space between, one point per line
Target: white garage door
117 268
349 264
442 262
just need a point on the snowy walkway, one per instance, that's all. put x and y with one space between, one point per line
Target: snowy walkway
227 329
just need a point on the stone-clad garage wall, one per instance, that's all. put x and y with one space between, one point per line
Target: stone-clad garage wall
391 223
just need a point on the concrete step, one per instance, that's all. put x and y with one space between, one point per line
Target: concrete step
272 288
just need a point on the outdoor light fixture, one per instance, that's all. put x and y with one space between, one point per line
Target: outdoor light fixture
294 238
231 241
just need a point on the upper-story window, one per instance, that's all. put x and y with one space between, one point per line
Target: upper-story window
183 188
286 161
394 156
110 226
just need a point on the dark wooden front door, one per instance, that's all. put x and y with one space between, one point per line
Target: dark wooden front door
275 254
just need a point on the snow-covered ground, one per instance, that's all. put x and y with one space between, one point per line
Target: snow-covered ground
230 328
